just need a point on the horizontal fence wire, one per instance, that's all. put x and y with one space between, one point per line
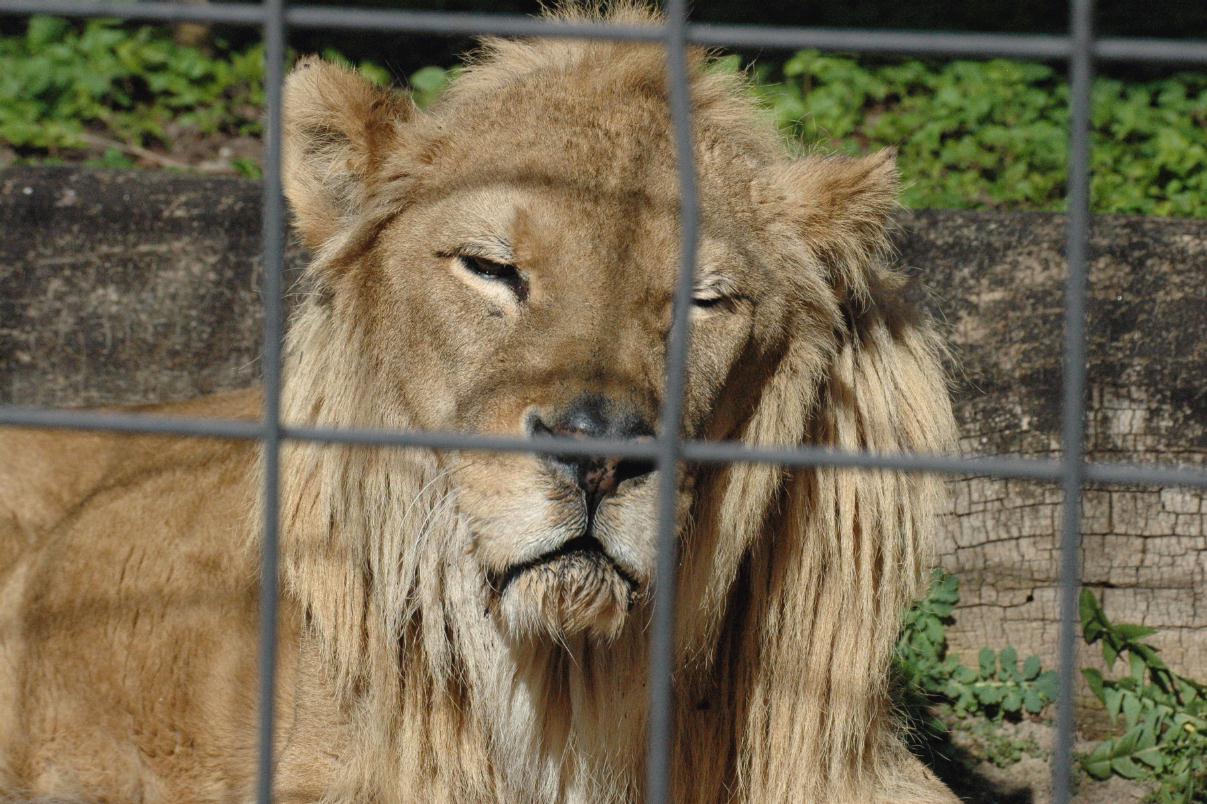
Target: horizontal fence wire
1038 469
868 41
1080 49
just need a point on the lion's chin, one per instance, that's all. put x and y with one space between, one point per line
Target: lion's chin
579 593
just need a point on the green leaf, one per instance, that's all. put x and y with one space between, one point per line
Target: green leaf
934 631
377 76
43 31
1132 632
987 662
1124 767
429 79
1031 668
1008 660
1094 680
113 158
1151 757
1088 607
1137 666
965 674
1098 763
1148 731
1131 709
247 167
1048 683
1126 744
1113 698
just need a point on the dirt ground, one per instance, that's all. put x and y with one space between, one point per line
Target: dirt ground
185 150
1027 780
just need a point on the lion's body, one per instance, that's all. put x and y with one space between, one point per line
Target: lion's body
128 604
504 265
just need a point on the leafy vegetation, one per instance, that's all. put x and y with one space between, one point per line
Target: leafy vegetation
1163 714
997 687
971 134
118 95
994 133
990 741
66 89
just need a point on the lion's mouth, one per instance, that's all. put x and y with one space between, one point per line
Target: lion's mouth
583 548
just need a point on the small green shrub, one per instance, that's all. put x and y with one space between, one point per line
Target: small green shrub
1163 714
995 744
998 686
994 133
58 82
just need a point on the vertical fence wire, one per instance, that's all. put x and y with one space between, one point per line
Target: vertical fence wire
1081 18
273 217
660 735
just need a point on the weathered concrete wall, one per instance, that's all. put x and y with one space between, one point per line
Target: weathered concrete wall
123 287
130 287
998 283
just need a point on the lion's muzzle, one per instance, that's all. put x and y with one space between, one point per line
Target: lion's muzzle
594 416
583 572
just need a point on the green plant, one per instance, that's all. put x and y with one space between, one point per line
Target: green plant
105 92
998 686
1163 714
971 134
992 742
994 133
59 84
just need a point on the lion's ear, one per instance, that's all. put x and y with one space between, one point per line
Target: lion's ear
840 207
338 130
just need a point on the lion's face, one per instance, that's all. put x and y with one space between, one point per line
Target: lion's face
529 295
508 264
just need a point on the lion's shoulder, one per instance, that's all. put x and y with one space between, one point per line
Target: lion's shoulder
48 476
124 561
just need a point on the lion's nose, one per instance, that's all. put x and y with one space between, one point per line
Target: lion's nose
594 416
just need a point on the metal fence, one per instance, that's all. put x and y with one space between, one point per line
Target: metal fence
1080 49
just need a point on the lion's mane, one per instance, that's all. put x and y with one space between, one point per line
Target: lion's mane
792 582
128 617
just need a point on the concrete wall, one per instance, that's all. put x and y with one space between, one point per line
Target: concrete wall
132 287
997 281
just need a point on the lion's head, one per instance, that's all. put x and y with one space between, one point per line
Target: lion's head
504 264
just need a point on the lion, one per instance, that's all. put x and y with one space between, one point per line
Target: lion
473 626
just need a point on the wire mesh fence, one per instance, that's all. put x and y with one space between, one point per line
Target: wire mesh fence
1080 49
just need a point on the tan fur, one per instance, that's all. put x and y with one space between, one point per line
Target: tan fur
128 589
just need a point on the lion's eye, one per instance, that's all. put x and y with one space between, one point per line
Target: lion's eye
716 293
707 301
502 273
